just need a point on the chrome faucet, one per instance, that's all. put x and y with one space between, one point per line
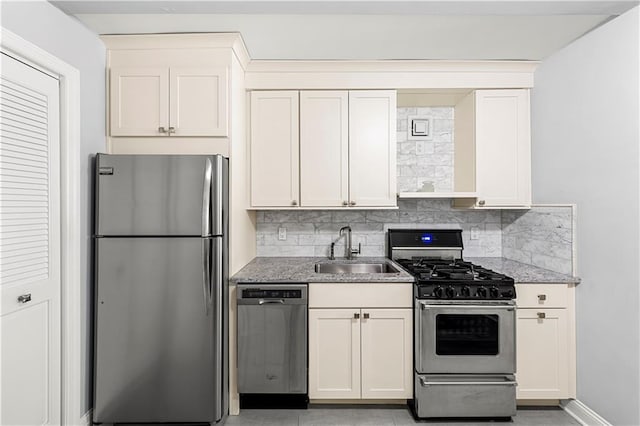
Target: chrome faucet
350 253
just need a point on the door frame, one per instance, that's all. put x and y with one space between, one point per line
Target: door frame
70 230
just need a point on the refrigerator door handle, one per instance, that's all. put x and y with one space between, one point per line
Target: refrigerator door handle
206 274
219 313
217 192
206 199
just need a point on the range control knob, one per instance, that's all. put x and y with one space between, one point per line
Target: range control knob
450 292
508 294
481 292
494 292
437 292
465 291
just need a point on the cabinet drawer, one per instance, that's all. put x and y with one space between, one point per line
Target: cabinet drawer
361 295
541 296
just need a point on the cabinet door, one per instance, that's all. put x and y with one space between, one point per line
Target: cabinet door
274 149
139 101
542 346
334 353
372 148
503 148
387 358
324 148
198 101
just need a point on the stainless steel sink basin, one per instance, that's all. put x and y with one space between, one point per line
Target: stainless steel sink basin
355 268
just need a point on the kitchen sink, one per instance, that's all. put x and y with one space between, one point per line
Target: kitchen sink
355 268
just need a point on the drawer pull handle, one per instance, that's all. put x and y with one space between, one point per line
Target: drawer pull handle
426 383
366 315
24 298
356 316
542 315
542 297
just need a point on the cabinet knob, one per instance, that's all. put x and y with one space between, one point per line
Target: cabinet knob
171 130
481 202
352 203
162 130
294 203
542 297
542 315
366 315
345 203
356 316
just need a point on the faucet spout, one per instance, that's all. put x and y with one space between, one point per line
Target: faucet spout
349 252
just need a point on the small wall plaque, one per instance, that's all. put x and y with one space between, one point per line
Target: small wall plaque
419 127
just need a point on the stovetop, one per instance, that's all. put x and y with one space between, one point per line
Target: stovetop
457 279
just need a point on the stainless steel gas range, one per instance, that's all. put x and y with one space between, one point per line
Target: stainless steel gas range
464 328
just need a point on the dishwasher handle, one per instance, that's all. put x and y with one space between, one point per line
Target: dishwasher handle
270 301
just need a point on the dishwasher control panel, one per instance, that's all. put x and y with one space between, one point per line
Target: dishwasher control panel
259 293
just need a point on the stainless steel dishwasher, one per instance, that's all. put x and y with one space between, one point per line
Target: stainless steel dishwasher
272 339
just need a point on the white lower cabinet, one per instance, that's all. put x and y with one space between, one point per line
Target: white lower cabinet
545 342
386 337
361 341
334 353
360 353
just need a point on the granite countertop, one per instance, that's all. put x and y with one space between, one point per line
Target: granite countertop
302 270
522 272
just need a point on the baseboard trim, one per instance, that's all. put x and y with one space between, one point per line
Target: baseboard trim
585 415
86 419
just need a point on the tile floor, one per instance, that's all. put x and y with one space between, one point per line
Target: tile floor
385 416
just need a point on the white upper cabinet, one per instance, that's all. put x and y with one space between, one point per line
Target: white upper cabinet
503 148
324 148
274 149
139 101
168 101
346 147
198 101
372 148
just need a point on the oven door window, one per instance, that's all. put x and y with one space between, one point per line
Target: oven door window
467 334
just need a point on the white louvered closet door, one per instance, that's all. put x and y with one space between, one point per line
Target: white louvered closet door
29 245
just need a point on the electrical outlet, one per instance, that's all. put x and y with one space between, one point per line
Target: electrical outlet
474 233
282 234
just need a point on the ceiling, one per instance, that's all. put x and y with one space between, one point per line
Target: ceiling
363 30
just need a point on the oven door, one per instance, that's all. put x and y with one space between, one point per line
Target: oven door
465 338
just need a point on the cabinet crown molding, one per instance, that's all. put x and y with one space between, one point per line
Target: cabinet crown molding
231 41
400 74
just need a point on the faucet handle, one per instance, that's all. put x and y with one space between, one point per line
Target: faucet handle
358 251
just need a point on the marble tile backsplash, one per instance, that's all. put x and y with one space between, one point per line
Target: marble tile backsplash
542 236
310 232
426 160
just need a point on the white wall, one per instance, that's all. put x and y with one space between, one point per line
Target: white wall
47 27
585 150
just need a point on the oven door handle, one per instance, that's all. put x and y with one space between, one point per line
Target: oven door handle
425 383
425 306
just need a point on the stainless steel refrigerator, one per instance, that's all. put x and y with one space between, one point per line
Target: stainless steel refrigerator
161 228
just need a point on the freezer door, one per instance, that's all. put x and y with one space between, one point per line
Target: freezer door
159 195
157 350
